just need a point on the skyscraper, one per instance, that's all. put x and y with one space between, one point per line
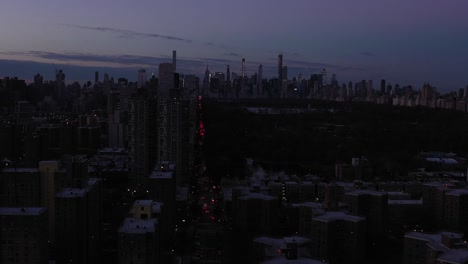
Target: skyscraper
96 77
166 80
260 80
174 58
206 81
284 73
142 138
141 78
243 68
280 70
23 236
166 84
228 74
324 76
59 83
382 86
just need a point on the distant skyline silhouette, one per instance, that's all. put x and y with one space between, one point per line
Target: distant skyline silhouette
405 42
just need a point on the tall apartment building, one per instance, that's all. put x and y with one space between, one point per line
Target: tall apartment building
175 120
141 139
139 240
162 188
374 206
339 238
307 211
255 214
444 248
78 217
48 171
166 83
23 235
20 187
456 210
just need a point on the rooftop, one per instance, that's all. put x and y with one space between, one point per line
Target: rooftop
22 210
414 202
260 196
77 192
370 192
161 174
12 170
155 206
457 192
337 215
284 260
113 150
182 193
138 226
458 256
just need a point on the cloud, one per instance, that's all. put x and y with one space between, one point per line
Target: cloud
123 33
367 54
231 54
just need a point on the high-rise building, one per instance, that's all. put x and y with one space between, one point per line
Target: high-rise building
228 74
323 74
59 83
20 187
78 217
374 206
174 60
255 213
166 83
48 171
141 78
206 81
166 80
285 73
383 86
38 80
23 235
338 237
444 247
456 210
260 81
142 143
370 88
243 68
162 188
116 111
96 77
139 240
280 70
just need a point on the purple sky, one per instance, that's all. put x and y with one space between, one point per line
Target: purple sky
403 41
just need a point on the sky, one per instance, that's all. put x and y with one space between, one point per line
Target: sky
402 41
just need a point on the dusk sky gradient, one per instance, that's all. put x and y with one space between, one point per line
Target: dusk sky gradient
402 41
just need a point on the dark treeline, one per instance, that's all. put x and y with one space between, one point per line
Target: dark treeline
390 137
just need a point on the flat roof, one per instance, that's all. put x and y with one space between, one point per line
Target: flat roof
458 256
138 226
22 210
260 196
311 204
12 170
338 215
283 259
413 202
371 192
281 242
457 192
77 192
161 174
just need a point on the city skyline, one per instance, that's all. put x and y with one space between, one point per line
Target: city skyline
405 43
